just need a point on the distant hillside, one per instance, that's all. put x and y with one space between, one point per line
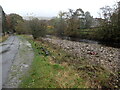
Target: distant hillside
40 18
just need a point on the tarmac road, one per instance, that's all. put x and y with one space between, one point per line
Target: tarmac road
9 50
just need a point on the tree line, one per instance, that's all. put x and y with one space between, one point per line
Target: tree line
109 30
72 23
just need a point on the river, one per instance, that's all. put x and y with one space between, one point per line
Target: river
111 44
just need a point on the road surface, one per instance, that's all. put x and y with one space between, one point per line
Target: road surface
17 55
8 52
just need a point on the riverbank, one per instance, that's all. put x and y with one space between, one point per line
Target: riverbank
56 66
46 73
107 57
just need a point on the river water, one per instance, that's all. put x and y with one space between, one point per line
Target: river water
111 44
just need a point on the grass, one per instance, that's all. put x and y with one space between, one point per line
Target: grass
3 38
52 67
45 73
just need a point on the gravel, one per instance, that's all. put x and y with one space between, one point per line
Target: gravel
107 57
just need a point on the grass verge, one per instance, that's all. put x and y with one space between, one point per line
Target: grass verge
3 38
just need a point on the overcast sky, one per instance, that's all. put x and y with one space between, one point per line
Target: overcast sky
50 8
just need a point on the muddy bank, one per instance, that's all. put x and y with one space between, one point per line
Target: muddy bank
107 57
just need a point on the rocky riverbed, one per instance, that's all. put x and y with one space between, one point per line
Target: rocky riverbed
107 57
